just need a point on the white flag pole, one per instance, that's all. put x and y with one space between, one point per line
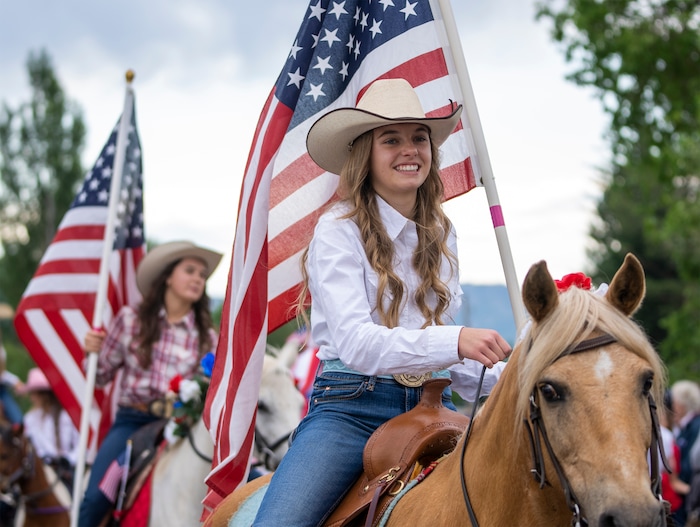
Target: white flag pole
471 115
101 298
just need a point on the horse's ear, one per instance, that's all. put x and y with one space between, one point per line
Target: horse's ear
628 286
288 353
539 292
271 350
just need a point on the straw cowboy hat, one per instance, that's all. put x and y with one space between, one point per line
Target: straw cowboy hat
160 257
36 382
6 311
386 101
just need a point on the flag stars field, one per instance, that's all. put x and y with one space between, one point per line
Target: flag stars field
338 9
409 9
317 11
295 78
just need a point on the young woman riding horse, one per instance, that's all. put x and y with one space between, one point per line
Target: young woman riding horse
383 277
564 438
166 335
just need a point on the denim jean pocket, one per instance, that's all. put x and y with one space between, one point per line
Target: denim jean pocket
337 386
447 399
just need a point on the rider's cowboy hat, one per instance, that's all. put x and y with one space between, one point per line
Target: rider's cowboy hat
36 382
163 255
386 101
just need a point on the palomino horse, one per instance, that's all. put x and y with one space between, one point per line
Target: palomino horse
43 499
178 486
564 437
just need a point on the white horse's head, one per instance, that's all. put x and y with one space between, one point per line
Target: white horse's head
280 406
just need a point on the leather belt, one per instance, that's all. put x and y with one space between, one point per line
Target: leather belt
412 381
157 407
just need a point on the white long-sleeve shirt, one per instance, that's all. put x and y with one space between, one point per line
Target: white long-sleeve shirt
344 320
40 428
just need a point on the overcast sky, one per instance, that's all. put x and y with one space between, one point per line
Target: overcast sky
204 68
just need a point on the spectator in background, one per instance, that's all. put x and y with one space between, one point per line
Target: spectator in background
9 383
685 396
692 502
306 364
49 428
672 488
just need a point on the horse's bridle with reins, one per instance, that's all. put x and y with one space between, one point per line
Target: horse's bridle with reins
26 470
537 431
267 450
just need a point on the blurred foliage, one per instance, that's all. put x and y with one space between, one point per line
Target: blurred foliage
642 58
40 145
278 337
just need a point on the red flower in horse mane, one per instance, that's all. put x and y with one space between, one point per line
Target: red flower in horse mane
174 385
579 280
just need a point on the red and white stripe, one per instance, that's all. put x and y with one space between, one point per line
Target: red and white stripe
56 309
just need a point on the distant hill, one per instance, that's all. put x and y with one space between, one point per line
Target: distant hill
487 306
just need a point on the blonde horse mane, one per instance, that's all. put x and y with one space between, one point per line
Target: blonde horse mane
579 315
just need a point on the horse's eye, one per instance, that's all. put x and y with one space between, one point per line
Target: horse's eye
549 392
648 383
263 407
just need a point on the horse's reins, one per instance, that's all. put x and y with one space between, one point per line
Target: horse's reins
266 449
536 430
25 468
197 451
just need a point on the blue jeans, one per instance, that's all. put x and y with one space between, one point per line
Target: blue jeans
12 411
95 505
325 456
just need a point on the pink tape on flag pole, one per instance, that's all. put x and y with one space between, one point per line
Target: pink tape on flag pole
497 216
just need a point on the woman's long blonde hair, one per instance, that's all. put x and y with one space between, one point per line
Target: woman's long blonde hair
433 229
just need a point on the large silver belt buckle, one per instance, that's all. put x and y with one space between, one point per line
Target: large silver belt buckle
157 407
412 381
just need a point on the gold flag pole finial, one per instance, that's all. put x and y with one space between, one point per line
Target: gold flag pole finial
130 76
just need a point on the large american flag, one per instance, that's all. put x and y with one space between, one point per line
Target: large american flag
56 309
341 47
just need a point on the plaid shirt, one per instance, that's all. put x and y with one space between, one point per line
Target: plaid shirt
176 352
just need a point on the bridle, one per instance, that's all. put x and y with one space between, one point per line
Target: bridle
267 450
537 434
190 438
11 484
197 451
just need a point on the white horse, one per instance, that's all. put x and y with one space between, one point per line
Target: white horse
178 487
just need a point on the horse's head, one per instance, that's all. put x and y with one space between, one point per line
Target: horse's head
13 455
592 401
280 407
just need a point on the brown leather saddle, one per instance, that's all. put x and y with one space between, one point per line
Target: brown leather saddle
419 436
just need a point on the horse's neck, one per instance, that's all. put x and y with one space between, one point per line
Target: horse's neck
38 491
498 463
183 451
178 480
497 466
202 439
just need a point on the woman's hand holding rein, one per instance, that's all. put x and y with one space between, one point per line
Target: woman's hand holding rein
486 346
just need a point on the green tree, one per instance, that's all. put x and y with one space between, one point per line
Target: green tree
40 146
643 59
